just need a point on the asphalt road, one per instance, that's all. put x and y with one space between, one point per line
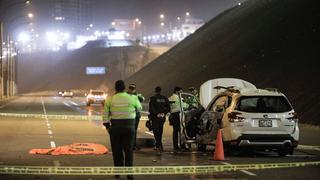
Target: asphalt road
19 135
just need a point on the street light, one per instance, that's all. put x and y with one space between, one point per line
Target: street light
187 13
137 20
162 24
30 15
161 16
113 23
27 2
91 25
178 18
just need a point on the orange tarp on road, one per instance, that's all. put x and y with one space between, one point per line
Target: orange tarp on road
73 149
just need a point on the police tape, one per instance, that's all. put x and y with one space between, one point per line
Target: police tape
147 170
63 117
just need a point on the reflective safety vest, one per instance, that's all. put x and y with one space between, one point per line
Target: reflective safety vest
121 106
175 103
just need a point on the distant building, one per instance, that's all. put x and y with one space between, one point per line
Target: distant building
191 25
74 15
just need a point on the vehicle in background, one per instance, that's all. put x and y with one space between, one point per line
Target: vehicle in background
96 97
248 117
67 94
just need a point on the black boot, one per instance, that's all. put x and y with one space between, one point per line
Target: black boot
130 177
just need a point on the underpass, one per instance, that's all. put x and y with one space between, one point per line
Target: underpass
20 134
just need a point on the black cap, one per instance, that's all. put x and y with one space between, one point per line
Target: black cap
120 86
177 89
192 88
157 89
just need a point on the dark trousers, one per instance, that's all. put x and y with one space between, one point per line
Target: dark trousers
175 122
157 128
137 120
122 140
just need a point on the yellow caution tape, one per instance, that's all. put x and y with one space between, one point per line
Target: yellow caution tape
146 170
65 117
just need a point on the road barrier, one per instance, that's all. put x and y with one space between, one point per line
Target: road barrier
64 117
147 170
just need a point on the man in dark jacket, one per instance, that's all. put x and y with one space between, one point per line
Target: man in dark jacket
158 108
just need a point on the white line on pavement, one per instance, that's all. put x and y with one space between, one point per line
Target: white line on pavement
53 144
50 132
244 171
74 103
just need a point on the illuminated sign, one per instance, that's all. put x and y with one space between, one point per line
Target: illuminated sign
95 70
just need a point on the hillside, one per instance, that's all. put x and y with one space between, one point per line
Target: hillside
271 43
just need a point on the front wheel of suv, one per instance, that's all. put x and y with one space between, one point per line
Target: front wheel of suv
284 151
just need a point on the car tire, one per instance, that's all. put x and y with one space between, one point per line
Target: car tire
202 147
283 151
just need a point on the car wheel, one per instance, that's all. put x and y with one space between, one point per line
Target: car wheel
283 151
202 147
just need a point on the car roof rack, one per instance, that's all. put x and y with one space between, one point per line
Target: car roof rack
272 89
229 88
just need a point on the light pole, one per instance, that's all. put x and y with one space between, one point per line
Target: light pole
3 15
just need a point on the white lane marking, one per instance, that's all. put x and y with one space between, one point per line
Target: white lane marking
308 147
56 163
244 171
150 133
51 136
53 144
74 103
67 104
49 132
44 108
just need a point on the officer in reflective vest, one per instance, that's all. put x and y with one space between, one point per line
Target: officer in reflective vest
174 117
119 119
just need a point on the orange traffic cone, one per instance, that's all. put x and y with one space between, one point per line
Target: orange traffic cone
219 152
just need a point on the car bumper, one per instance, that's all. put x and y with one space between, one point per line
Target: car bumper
263 140
96 100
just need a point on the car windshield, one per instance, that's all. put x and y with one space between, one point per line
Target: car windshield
97 93
263 104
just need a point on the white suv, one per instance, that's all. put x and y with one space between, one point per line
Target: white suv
96 97
248 117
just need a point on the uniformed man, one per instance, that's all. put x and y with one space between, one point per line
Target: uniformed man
132 91
119 119
174 118
158 108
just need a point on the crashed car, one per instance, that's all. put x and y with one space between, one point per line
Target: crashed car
247 116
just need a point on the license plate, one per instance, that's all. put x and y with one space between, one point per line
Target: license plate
265 123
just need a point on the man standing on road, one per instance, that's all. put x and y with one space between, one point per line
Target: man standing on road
119 119
174 118
132 91
158 108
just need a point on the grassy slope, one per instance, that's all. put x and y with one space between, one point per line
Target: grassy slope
271 43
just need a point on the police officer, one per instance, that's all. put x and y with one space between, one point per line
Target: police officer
119 119
174 118
132 91
158 108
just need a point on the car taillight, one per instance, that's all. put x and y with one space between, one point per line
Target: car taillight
294 117
233 117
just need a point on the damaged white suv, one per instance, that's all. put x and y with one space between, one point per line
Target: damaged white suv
248 117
